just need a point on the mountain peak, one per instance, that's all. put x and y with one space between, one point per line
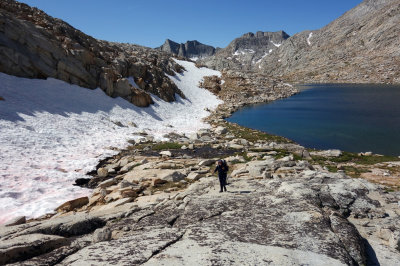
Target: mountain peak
191 49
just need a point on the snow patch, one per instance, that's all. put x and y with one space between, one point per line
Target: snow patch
243 52
309 38
262 57
52 133
276 44
194 58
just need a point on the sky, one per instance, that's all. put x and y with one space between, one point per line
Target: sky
212 22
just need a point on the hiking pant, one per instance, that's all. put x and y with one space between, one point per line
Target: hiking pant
222 183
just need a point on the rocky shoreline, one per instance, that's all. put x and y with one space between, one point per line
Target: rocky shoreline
159 203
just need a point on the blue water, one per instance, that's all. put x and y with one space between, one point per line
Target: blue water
349 117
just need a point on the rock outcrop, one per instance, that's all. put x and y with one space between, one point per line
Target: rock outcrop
298 214
360 46
35 45
245 52
193 50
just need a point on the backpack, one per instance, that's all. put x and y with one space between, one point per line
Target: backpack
225 165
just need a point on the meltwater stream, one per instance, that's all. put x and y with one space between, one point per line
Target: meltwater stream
350 117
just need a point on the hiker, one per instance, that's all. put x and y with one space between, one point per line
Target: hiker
222 169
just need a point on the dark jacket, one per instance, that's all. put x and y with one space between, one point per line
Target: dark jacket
222 170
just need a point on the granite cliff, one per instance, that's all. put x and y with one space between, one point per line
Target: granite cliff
191 49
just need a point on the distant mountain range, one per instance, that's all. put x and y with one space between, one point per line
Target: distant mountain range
361 46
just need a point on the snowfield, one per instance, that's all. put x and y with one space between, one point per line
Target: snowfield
52 133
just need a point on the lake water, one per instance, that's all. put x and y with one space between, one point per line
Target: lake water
349 117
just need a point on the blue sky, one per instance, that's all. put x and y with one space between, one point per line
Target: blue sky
213 22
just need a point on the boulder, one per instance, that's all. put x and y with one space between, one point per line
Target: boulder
171 176
239 172
221 130
235 146
207 162
256 168
194 176
16 221
327 153
102 172
107 183
128 167
72 204
101 234
166 153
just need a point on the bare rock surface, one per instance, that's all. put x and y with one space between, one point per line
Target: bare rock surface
294 215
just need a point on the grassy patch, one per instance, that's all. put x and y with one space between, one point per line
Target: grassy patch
168 185
348 157
253 135
354 171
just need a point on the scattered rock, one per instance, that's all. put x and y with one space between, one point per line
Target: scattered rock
221 130
102 172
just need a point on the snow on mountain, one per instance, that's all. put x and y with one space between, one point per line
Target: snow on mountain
276 44
309 38
52 132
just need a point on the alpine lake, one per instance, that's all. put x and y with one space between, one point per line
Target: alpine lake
349 117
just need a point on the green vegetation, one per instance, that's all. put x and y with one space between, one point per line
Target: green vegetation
348 157
253 135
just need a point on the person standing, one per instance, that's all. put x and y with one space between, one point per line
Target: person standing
222 169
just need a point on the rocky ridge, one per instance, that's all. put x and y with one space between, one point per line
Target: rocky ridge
245 52
36 45
359 47
193 50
